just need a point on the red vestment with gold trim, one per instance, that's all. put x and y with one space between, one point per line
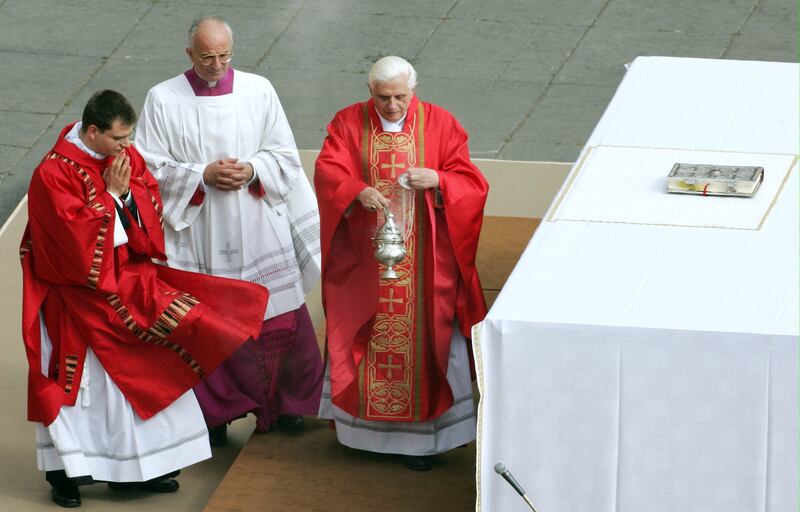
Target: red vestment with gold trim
155 330
388 341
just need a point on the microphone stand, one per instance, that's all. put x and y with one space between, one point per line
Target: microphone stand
528 501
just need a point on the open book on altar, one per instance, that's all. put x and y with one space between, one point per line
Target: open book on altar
715 180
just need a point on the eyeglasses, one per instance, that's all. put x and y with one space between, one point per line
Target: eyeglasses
125 138
209 59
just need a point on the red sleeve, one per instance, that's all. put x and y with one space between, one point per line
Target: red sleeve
255 188
337 179
71 228
346 294
69 241
144 187
45 396
464 190
198 197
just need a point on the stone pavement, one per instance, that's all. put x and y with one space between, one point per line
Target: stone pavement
529 79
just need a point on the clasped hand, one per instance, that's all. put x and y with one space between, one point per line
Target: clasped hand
118 175
227 174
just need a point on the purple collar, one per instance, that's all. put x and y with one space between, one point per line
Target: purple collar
201 88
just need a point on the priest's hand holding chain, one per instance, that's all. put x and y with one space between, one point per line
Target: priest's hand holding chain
227 174
372 200
420 178
118 175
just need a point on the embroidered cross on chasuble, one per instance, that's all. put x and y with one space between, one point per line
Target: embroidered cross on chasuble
390 372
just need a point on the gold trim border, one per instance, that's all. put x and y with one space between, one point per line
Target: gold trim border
568 185
573 175
362 407
365 142
478 357
100 243
417 135
422 232
779 191
695 149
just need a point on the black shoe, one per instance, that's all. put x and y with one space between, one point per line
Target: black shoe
218 436
289 423
417 462
66 495
159 485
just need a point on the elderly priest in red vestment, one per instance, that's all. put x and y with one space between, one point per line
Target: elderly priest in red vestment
399 366
114 341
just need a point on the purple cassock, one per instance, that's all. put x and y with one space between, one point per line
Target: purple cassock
279 373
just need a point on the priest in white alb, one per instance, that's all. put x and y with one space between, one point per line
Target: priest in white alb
237 204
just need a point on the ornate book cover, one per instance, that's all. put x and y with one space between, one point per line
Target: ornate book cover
715 180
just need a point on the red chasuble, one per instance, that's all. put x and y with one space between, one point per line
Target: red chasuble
388 341
157 331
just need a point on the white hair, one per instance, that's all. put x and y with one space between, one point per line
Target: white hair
389 68
199 21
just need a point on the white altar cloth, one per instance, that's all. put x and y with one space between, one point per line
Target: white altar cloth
643 354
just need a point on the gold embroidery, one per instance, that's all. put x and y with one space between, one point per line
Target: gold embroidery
156 207
70 367
169 319
365 142
25 248
390 300
91 192
422 225
391 366
421 232
393 165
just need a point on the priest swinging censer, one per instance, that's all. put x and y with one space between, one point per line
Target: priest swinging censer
389 242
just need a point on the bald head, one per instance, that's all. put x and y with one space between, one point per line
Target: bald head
210 47
210 24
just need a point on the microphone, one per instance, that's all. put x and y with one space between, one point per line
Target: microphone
503 471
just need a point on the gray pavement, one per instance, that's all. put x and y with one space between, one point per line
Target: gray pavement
529 79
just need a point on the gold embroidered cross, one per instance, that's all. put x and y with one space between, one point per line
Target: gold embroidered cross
389 367
391 300
393 165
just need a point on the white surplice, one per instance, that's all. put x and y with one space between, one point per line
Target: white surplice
101 435
272 240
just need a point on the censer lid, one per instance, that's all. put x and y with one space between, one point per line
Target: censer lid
389 229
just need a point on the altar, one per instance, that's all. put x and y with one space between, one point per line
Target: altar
642 355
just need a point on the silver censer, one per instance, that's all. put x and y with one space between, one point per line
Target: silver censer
389 246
